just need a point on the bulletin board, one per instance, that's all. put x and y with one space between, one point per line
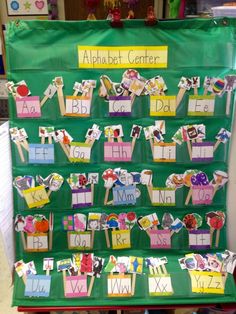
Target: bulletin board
39 51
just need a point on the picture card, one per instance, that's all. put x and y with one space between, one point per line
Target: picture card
207 282
93 133
64 264
62 136
78 106
79 240
201 105
36 197
48 263
68 223
119 285
79 152
29 269
164 152
94 221
136 86
199 239
116 151
19 268
148 221
50 91
160 239
161 125
81 198
18 134
31 7
136 131
41 153
135 264
93 177
37 286
37 242
229 261
46 131
160 285
76 286
113 131
119 106
124 195
28 107
163 197
80 222
203 151
162 106
202 194
120 239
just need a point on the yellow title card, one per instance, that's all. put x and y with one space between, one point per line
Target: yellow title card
103 57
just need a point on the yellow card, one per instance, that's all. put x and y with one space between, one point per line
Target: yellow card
36 197
162 106
120 239
119 285
136 264
207 282
105 57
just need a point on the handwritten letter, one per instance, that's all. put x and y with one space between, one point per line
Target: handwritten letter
124 195
201 105
162 106
76 286
164 152
202 194
41 153
119 285
36 197
79 152
202 152
160 285
28 107
119 106
207 282
199 239
37 286
160 239
37 242
120 239
81 198
117 151
79 240
163 197
78 106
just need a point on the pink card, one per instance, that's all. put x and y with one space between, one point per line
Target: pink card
76 286
28 107
202 194
117 151
160 239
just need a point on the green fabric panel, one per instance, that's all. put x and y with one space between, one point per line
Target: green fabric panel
37 51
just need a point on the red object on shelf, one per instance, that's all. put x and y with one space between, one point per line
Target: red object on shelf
116 18
151 17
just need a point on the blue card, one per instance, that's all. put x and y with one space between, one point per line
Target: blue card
37 286
41 154
124 195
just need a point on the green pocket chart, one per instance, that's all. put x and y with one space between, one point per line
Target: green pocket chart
134 121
